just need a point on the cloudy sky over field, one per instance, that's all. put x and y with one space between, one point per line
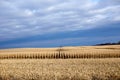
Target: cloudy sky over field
52 23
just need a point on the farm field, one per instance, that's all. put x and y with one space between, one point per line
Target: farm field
60 69
112 51
66 63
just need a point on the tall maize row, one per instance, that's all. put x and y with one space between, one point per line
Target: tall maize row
57 55
63 53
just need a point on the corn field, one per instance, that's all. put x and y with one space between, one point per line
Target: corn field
63 53
66 63
60 69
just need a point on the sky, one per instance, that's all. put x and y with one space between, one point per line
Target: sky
53 23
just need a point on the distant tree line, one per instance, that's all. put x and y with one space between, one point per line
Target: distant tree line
117 43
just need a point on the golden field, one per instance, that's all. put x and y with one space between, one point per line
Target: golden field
112 51
60 69
65 63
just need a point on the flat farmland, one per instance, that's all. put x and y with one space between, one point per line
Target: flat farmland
112 51
66 63
60 69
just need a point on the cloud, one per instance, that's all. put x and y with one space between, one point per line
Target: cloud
64 42
36 17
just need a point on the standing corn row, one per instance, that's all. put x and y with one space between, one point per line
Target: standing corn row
60 53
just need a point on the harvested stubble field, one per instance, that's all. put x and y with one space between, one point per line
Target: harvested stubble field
66 63
60 69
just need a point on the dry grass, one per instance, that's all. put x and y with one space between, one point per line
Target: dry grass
71 63
112 51
60 69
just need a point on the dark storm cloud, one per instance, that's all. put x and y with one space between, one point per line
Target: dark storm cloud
20 18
